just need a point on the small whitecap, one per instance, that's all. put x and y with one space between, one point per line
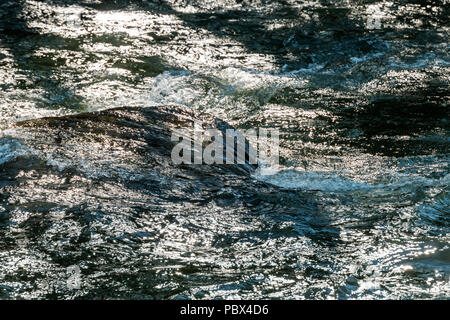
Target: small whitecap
305 180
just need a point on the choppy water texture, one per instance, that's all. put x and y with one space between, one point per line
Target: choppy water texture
92 207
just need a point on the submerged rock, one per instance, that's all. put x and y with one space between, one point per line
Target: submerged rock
92 206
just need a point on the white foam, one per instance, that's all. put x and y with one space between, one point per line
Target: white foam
335 181
311 180
10 149
173 87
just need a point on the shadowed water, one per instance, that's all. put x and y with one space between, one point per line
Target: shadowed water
359 92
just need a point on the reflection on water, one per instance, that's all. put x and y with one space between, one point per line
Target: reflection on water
359 93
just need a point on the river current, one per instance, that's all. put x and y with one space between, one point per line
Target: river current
91 207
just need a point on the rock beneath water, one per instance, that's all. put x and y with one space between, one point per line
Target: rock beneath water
91 206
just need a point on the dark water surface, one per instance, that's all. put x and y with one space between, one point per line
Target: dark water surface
92 207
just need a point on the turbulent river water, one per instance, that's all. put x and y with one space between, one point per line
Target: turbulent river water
92 207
